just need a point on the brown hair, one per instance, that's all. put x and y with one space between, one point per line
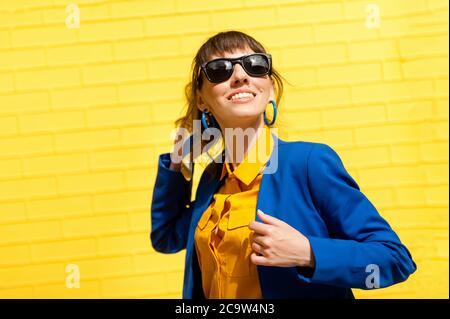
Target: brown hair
222 42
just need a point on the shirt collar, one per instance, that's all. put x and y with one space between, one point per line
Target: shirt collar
253 162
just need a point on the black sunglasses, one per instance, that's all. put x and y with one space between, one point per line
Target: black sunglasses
220 70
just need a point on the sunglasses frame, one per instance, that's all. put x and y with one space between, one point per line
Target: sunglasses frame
240 61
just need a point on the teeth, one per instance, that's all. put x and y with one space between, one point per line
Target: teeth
241 95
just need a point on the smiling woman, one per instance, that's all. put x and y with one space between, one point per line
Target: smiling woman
302 230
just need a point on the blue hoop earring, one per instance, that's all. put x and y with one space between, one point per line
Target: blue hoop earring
274 105
205 123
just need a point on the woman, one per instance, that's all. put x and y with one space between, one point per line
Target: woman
299 230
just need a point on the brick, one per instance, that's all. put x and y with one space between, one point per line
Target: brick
348 31
8 125
243 18
170 68
339 137
157 262
118 116
405 154
148 48
88 289
392 70
88 12
79 54
39 36
441 130
19 19
426 67
441 109
297 76
91 269
12 212
139 222
175 283
10 168
30 275
102 31
420 217
410 196
310 13
6 82
355 116
114 287
441 87
144 8
423 45
391 91
124 244
366 156
410 111
437 195
4 40
48 78
372 50
87 96
438 4
434 151
120 201
80 183
142 178
167 111
302 120
314 55
17 293
87 140
24 5
36 144
63 250
436 173
95 226
167 90
27 188
114 73
59 207
121 158
18 103
181 24
14 255
321 97
357 9
55 164
51 121
152 135
284 36
349 73
389 176
377 134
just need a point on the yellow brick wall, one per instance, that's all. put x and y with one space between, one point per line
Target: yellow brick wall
85 111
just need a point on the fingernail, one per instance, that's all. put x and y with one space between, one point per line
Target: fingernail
260 211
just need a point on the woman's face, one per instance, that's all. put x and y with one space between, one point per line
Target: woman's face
228 107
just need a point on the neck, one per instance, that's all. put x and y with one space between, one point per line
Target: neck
240 138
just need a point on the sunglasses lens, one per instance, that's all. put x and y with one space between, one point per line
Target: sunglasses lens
219 70
256 64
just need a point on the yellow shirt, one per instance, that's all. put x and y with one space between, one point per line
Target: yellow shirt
222 237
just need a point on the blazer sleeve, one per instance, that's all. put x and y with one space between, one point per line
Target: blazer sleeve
170 210
363 251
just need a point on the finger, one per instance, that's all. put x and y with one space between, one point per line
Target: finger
259 228
261 240
257 249
259 260
267 219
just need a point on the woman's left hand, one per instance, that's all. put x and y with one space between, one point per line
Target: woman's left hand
276 243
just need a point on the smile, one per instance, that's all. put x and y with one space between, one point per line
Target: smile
243 95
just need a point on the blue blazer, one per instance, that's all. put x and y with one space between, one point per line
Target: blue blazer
311 191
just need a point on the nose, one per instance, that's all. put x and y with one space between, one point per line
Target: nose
239 75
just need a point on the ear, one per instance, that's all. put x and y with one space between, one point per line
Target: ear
272 90
201 105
